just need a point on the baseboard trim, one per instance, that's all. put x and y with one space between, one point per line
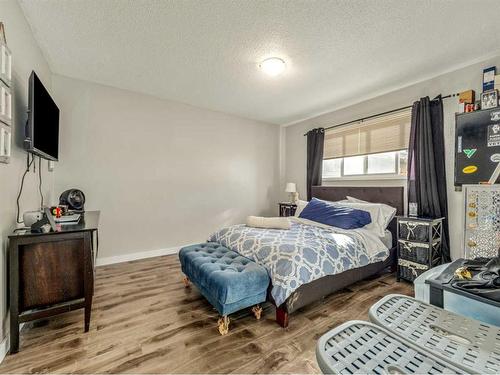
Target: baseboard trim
5 344
137 256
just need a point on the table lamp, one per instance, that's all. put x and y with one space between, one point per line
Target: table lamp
291 188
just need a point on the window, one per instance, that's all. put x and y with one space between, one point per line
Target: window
371 148
382 163
332 168
354 165
389 164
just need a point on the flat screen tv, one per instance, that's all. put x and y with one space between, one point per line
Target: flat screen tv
42 131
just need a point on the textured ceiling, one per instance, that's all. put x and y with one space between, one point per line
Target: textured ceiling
206 52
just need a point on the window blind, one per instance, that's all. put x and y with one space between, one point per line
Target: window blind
386 133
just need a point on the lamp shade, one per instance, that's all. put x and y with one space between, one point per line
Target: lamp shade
290 187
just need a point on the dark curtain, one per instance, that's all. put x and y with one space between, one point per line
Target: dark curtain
426 164
315 140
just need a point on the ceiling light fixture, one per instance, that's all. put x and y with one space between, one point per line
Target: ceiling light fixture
273 66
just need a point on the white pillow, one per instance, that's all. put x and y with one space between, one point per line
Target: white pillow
377 223
387 212
381 216
268 222
300 207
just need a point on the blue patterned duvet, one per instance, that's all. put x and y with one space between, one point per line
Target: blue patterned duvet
299 255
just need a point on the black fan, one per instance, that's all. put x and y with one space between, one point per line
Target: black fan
73 198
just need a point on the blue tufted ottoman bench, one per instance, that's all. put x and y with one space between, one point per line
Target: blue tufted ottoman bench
229 281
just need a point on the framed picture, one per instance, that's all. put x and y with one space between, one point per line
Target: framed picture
5 64
5 140
5 104
2 34
5 58
489 99
489 78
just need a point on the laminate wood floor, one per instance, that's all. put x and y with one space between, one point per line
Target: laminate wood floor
145 321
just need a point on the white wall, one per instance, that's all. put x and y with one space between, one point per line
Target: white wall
163 174
453 82
26 56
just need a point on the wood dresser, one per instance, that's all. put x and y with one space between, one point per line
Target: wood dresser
52 273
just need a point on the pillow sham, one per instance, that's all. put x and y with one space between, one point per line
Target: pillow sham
335 215
302 204
387 212
377 224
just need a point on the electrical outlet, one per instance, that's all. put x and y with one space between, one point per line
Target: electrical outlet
51 165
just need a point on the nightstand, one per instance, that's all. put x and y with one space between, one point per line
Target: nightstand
287 208
419 246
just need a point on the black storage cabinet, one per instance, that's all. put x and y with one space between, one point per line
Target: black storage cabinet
419 246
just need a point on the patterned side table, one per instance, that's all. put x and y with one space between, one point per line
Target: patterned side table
287 208
419 246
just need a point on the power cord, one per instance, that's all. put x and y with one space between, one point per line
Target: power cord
28 167
40 183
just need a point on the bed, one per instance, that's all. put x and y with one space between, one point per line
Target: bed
309 261
316 290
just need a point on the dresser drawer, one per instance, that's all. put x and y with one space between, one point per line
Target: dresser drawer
53 272
414 251
410 270
414 230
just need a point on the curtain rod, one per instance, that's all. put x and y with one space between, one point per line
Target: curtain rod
387 112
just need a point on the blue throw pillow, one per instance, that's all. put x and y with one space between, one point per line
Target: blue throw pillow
337 216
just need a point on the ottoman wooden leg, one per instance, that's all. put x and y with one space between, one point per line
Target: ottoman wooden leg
257 311
223 324
185 280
